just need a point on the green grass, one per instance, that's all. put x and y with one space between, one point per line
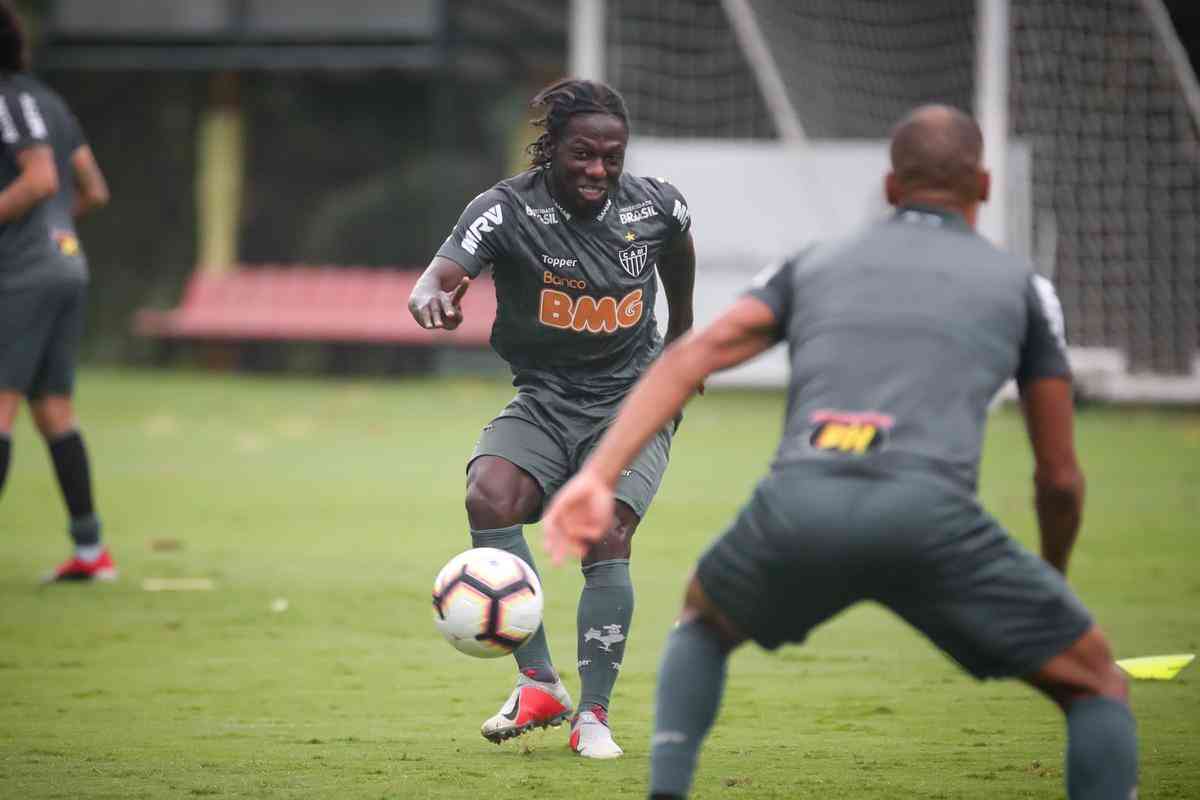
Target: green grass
346 497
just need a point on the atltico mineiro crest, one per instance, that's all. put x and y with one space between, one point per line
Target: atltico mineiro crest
633 258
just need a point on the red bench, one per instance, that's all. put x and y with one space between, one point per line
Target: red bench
312 304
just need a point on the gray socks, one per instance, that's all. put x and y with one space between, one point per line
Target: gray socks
1101 750
605 610
691 680
533 657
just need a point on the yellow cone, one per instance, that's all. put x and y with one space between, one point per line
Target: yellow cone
1156 668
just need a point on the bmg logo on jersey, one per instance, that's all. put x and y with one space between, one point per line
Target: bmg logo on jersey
586 313
849 432
482 224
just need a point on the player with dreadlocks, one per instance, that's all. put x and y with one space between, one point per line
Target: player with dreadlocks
574 245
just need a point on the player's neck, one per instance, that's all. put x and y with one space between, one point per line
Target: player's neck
941 201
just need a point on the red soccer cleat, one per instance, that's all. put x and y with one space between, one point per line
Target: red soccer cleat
532 704
76 569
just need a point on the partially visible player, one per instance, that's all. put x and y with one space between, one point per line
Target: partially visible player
898 339
48 177
576 247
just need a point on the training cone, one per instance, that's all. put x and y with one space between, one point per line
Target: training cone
1156 668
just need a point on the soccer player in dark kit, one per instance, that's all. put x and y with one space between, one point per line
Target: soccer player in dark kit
574 245
49 176
898 338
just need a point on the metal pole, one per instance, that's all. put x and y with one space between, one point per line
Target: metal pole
991 109
766 72
587 39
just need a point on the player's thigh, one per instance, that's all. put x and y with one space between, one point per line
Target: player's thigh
993 606
56 372
528 447
640 481
27 319
785 564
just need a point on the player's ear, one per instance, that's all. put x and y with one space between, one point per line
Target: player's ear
891 189
984 182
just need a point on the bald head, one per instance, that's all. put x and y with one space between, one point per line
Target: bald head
936 154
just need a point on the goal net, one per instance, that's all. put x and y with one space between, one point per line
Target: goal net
1101 100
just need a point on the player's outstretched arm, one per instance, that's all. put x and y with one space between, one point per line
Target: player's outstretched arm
434 302
91 187
582 510
1058 479
37 181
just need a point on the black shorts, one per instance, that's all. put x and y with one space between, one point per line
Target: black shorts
40 330
811 542
549 435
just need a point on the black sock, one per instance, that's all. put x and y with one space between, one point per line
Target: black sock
5 456
74 479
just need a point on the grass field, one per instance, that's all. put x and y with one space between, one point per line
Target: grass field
344 498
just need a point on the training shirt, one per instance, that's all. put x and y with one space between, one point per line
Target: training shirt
900 337
40 246
575 294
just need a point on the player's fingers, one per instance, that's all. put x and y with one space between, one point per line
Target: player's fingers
460 290
435 314
449 309
424 318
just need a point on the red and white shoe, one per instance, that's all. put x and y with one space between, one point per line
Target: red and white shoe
591 736
76 569
532 704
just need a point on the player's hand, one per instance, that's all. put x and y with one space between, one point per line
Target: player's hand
580 514
440 309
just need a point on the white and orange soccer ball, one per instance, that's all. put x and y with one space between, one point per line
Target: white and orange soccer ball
487 602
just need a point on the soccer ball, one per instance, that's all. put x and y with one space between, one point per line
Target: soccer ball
487 602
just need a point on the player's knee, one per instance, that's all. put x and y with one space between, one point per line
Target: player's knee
615 545
53 416
495 503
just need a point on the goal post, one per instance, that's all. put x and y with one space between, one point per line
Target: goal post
1091 117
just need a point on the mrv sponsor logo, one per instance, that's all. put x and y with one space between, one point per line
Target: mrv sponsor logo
483 224
681 213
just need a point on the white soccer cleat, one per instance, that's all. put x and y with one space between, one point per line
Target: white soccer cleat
532 704
591 736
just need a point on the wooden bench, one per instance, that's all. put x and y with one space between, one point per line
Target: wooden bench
332 305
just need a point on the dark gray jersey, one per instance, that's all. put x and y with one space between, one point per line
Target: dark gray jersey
899 337
575 295
40 246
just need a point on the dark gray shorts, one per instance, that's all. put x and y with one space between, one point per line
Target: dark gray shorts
549 435
40 329
812 542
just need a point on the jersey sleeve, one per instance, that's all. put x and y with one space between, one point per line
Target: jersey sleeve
773 286
674 207
21 122
1044 349
479 237
73 135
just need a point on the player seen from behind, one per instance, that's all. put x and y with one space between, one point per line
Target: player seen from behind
574 245
898 339
49 176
